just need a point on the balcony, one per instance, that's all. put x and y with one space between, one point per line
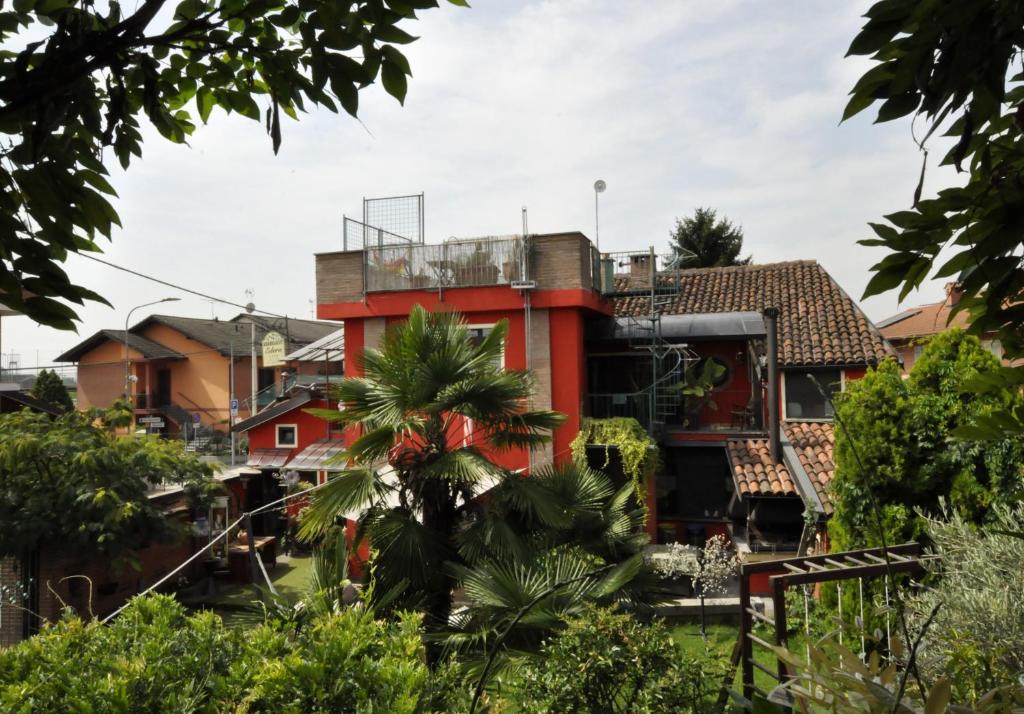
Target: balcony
555 261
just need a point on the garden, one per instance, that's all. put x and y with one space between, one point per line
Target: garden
544 596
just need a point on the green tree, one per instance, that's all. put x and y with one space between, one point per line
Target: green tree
50 388
419 388
72 481
707 241
76 78
895 446
951 63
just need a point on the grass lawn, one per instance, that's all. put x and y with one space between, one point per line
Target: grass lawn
719 645
239 604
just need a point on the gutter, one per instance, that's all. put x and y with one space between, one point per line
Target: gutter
809 493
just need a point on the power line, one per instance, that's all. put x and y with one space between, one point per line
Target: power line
178 287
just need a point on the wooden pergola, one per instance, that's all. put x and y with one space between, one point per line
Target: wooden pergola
829 567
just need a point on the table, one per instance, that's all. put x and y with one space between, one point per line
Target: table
238 557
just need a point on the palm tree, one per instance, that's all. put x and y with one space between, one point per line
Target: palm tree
413 474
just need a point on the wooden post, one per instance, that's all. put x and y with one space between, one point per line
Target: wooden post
253 555
779 605
746 627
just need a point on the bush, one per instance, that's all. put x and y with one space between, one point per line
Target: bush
605 661
976 638
156 657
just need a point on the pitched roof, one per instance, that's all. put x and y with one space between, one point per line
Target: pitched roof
819 324
814 443
754 471
24 399
143 345
268 458
330 348
756 474
298 399
319 456
222 334
922 321
299 332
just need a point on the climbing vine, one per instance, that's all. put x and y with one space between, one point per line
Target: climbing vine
636 447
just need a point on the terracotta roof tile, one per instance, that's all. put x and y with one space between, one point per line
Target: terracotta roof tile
819 323
756 474
754 471
814 443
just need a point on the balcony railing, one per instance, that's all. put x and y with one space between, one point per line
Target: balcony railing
150 401
463 263
636 405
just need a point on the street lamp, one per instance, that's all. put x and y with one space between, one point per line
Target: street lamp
599 188
127 362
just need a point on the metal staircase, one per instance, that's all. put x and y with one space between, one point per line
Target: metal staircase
668 362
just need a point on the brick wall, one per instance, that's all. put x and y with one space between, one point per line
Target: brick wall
110 588
10 618
540 365
560 261
339 277
373 332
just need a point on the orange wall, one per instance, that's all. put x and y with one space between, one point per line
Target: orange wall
101 375
200 382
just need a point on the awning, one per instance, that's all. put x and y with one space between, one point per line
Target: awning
268 458
319 456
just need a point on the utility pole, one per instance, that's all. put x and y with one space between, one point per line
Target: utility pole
231 398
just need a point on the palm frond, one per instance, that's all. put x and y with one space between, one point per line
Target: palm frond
373 446
463 466
346 492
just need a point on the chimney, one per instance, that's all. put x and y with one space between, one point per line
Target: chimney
953 294
771 326
640 271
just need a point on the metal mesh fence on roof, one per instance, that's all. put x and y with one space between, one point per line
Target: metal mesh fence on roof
461 263
357 235
398 215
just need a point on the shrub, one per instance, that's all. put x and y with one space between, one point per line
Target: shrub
156 657
604 661
976 637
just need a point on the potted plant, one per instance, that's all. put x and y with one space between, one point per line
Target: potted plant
697 386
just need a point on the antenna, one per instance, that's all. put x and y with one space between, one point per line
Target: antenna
599 188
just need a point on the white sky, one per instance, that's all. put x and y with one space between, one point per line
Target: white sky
732 104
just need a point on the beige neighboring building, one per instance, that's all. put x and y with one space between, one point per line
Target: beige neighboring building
910 330
185 370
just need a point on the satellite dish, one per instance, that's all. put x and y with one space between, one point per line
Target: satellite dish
600 186
250 307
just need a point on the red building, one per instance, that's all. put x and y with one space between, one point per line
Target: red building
619 334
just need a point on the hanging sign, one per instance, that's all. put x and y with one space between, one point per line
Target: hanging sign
273 349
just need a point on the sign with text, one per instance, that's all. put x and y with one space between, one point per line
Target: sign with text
151 421
273 349
234 407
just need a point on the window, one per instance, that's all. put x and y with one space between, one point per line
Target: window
477 333
725 372
804 399
287 436
918 351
